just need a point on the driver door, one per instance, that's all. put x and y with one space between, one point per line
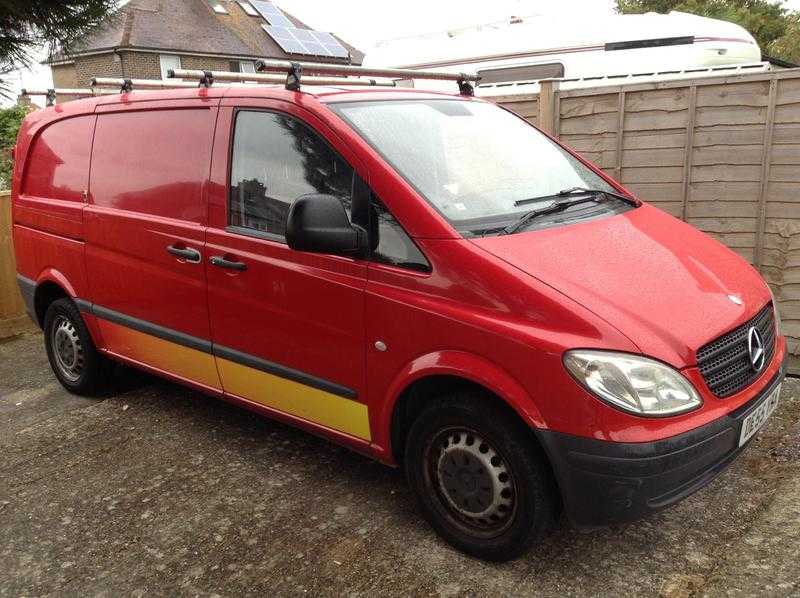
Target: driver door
287 326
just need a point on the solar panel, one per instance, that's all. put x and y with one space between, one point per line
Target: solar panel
331 44
305 41
273 15
294 40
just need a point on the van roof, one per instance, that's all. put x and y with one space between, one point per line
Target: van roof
323 94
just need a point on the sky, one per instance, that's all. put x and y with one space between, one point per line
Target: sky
365 22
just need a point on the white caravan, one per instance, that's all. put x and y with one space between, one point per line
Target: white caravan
513 55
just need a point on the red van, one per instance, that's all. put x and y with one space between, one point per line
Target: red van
424 278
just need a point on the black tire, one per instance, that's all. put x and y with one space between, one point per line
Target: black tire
88 374
434 460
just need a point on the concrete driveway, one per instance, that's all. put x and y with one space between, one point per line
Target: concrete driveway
158 490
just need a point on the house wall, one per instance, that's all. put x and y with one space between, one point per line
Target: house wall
65 76
131 65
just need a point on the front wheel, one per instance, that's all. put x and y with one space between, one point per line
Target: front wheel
75 361
479 478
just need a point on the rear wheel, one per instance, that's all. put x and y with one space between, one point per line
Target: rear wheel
75 361
479 478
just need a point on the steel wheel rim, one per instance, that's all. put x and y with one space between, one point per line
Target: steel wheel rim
67 349
473 481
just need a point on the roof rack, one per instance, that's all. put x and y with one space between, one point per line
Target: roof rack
51 93
125 85
207 78
292 76
339 75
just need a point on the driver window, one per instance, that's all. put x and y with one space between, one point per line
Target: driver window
276 159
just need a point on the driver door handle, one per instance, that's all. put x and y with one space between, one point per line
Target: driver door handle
220 262
192 256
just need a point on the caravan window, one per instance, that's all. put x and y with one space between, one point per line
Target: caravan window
525 72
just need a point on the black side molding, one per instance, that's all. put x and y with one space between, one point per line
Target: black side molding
207 346
161 332
283 371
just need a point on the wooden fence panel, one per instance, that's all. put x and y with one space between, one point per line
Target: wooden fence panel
721 153
780 255
13 318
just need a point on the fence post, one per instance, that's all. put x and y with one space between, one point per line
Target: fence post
691 117
620 136
766 164
548 105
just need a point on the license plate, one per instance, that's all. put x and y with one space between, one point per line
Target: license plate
753 422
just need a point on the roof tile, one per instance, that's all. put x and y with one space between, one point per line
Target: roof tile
189 26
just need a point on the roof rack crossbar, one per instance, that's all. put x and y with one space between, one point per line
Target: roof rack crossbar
141 83
51 93
319 68
274 78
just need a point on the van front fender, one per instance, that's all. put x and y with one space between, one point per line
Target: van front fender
459 364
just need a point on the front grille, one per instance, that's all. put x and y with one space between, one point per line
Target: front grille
725 362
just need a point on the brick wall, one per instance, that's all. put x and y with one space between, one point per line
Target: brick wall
132 65
202 63
99 65
65 76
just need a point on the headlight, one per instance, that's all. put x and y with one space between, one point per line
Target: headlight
635 384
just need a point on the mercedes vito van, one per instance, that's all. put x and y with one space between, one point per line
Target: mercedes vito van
424 278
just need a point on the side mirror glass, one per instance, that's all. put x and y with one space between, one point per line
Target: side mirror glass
319 224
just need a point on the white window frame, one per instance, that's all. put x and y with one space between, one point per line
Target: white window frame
247 66
167 62
248 9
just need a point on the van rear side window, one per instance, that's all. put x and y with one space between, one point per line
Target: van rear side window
153 161
58 164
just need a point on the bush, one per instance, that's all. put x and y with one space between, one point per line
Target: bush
10 120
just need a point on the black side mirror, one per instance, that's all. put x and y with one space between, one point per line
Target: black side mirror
319 224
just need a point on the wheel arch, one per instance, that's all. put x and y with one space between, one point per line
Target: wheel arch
435 373
50 286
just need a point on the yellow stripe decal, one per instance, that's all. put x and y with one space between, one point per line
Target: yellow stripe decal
173 358
312 404
294 398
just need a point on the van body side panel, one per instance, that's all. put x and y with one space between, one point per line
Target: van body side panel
56 176
150 164
484 323
289 331
51 175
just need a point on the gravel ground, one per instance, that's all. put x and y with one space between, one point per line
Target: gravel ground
161 491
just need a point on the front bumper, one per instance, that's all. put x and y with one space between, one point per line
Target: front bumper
609 482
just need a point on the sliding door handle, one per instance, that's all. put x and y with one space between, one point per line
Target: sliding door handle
221 262
185 253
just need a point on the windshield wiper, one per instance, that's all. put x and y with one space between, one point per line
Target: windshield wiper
577 191
551 208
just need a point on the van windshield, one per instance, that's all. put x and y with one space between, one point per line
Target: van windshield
481 167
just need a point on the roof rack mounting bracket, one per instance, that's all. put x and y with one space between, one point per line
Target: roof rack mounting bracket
51 97
207 80
293 78
465 88
127 86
